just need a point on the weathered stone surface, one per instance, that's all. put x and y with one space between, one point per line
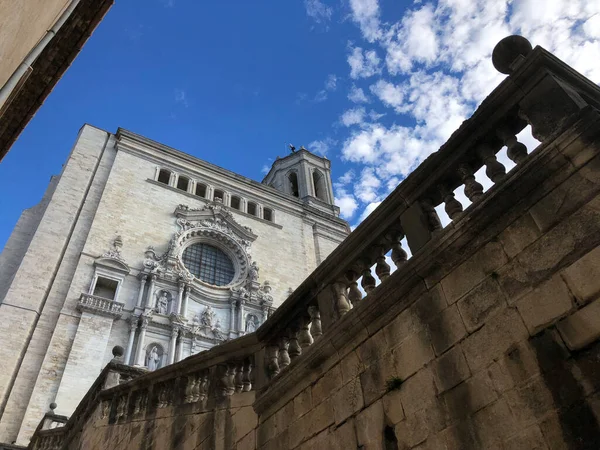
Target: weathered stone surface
582 327
373 380
418 391
392 406
370 425
530 439
582 276
480 303
545 304
347 400
446 329
450 369
470 396
412 354
519 235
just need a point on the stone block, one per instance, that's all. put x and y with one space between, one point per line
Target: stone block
373 380
430 304
470 396
321 417
245 420
470 273
370 424
373 348
412 354
545 304
514 281
351 366
344 437
412 431
392 406
531 401
347 400
494 423
418 392
529 439
519 235
403 326
582 327
481 303
450 369
325 386
303 402
583 276
248 442
446 329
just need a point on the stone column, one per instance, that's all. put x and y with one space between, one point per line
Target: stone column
177 308
173 344
150 297
140 298
232 326
139 351
179 354
241 318
132 327
184 304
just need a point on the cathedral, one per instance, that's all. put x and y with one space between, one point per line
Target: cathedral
142 246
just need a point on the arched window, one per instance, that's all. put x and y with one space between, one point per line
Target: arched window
201 190
235 202
219 195
319 185
293 177
164 176
209 264
183 183
252 208
268 214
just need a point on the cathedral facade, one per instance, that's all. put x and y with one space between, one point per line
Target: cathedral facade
139 245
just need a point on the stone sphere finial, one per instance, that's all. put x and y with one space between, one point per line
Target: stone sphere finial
118 351
508 50
53 406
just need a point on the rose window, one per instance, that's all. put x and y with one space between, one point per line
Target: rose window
208 264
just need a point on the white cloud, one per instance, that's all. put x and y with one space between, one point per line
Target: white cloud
265 169
318 11
181 97
331 82
355 116
321 146
357 95
389 93
363 65
347 204
368 210
366 14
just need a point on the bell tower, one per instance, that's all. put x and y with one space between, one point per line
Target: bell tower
304 175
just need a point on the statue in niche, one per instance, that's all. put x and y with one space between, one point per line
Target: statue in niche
251 323
218 334
153 360
253 271
162 305
208 317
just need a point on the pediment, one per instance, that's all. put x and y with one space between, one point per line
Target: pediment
111 263
213 215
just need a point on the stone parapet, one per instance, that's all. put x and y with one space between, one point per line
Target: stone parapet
100 305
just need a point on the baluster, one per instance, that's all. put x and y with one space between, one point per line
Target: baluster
452 206
399 256
433 220
473 189
316 330
516 151
284 357
368 281
354 294
239 383
231 370
341 299
295 350
192 381
203 388
304 337
494 169
382 269
246 381
272 360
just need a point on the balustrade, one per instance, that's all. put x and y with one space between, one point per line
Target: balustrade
100 305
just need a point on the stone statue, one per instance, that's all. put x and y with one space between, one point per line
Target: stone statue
253 271
153 361
163 303
217 331
208 317
251 323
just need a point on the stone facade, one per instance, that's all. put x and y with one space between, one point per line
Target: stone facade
487 337
99 263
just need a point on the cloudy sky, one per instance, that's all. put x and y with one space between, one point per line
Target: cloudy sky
375 85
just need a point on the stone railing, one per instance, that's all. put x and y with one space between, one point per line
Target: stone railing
100 305
541 91
54 431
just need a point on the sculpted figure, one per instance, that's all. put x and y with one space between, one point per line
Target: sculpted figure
251 323
208 317
253 271
153 359
217 331
162 304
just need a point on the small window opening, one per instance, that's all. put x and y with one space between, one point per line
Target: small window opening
219 195
319 185
183 183
268 214
252 208
106 288
293 177
235 202
391 441
201 190
164 176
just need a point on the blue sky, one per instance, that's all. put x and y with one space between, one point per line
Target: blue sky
376 85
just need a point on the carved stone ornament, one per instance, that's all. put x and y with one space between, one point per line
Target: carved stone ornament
113 259
115 252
